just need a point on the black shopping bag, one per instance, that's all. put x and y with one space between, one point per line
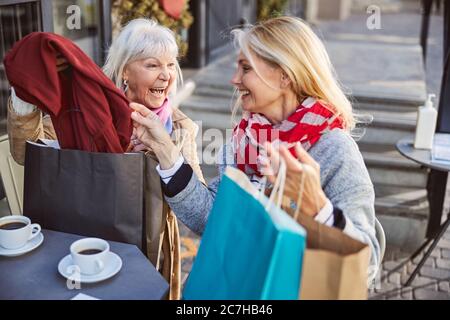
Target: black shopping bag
86 193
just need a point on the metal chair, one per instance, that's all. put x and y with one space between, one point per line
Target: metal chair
12 175
381 237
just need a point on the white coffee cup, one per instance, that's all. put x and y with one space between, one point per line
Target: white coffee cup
16 231
90 255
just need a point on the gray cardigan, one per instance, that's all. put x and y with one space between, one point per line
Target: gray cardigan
345 181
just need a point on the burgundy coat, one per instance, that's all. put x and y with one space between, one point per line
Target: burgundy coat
88 111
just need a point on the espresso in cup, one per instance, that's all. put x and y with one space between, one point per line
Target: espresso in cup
90 255
12 226
16 231
90 251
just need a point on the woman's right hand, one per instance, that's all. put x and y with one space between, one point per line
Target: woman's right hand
148 128
136 144
61 63
301 171
150 131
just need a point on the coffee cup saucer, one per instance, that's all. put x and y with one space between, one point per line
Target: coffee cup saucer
69 271
29 246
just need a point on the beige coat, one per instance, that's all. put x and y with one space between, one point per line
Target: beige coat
163 238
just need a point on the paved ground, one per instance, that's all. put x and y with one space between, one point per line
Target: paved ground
433 282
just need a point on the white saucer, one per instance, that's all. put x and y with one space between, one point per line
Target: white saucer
31 245
68 270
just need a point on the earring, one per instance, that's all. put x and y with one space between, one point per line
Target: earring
125 86
284 80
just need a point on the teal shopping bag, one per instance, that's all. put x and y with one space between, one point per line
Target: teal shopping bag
247 251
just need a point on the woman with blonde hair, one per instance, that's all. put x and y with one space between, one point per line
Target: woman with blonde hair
290 100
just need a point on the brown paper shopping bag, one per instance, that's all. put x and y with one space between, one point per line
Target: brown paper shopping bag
335 266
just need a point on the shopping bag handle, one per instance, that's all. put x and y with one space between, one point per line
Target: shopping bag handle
298 202
278 187
300 193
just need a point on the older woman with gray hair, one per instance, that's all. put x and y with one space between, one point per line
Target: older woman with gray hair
142 61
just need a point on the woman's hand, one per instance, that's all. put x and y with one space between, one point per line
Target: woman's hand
61 63
150 132
136 144
313 198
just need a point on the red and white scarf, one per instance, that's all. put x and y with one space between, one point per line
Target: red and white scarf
306 125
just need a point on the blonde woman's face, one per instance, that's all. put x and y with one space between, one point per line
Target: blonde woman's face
258 95
150 80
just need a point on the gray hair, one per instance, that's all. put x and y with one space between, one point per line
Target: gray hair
140 39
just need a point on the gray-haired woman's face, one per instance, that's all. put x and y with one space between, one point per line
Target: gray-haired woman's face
150 80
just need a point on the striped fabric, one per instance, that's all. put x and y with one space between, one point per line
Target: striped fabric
306 125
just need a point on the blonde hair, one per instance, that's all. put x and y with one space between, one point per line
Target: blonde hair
289 43
140 39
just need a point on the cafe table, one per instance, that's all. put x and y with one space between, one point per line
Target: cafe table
34 275
436 193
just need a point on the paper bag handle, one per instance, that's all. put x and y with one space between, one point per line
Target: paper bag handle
300 194
278 187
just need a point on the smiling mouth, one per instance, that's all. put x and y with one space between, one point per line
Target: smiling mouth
157 91
244 93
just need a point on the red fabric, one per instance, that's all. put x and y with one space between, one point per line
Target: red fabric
173 7
306 125
88 111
